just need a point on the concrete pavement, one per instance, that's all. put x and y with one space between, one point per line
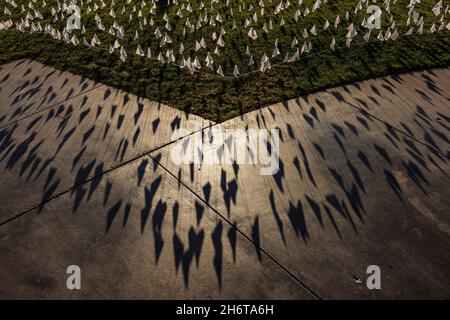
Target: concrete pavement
87 179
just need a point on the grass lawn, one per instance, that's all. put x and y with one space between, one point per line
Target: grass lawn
205 92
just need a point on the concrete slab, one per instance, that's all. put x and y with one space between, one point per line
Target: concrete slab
415 103
77 139
26 87
351 192
363 180
137 235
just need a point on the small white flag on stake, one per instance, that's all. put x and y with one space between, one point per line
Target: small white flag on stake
139 51
251 62
219 71
161 58
123 54
333 44
252 34
235 71
209 61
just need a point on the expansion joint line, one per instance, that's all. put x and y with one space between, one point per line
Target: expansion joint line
49 107
398 130
307 288
113 168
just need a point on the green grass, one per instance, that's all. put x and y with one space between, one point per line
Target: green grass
207 94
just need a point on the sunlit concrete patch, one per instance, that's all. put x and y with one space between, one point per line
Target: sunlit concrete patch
26 87
136 234
75 140
416 103
351 192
